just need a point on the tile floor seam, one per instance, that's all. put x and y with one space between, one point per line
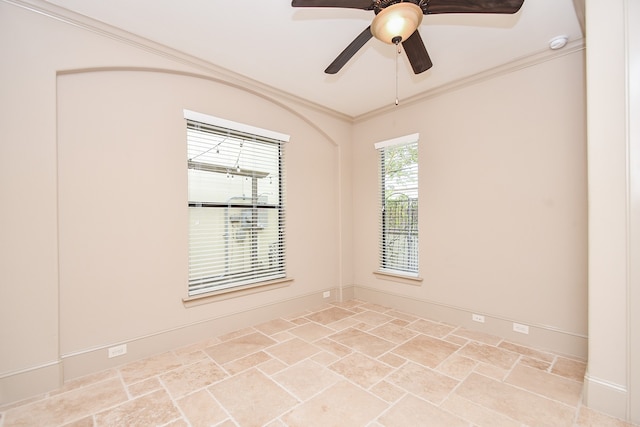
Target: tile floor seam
496 413
538 394
179 408
575 409
226 411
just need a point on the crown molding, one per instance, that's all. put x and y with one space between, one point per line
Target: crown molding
507 68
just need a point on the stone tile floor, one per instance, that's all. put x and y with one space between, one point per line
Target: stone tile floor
343 364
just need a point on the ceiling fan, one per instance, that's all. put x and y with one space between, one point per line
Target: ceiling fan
397 21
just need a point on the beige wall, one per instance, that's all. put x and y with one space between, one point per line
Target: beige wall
93 189
503 221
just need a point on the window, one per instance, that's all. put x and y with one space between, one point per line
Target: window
399 205
236 204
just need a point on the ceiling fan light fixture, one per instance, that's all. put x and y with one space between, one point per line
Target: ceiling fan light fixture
398 20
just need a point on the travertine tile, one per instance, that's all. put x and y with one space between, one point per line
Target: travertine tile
434 329
149 367
324 358
282 336
252 398
491 371
411 411
349 304
423 382
375 307
84 422
201 409
194 352
311 331
489 354
293 351
241 346
569 368
515 403
428 351
399 322
527 351
591 418
195 347
392 360
401 315
393 333
457 366
477 336
459 341
343 404
179 423
534 363
148 410
549 385
363 342
189 358
190 378
332 347
300 320
372 318
274 326
330 315
297 315
272 366
235 334
306 379
144 387
85 380
387 391
247 362
477 414
70 406
346 323
361 369
362 325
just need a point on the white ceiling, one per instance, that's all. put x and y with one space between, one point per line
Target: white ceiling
289 48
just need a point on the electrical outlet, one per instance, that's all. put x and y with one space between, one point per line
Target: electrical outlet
118 350
477 318
523 329
326 294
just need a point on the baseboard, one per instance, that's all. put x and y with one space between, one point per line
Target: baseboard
560 342
93 360
30 382
605 397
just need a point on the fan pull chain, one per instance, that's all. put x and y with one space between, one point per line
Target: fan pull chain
398 54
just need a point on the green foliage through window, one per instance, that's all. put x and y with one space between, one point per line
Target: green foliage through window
399 213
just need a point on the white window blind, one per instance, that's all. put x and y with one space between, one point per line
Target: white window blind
236 204
399 205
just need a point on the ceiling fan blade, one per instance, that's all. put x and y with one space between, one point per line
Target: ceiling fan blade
349 51
473 6
350 4
417 53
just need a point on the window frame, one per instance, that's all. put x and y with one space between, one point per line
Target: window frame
385 269
255 276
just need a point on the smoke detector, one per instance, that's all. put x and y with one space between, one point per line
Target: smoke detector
558 42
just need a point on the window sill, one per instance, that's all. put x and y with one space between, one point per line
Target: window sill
396 277
236 292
